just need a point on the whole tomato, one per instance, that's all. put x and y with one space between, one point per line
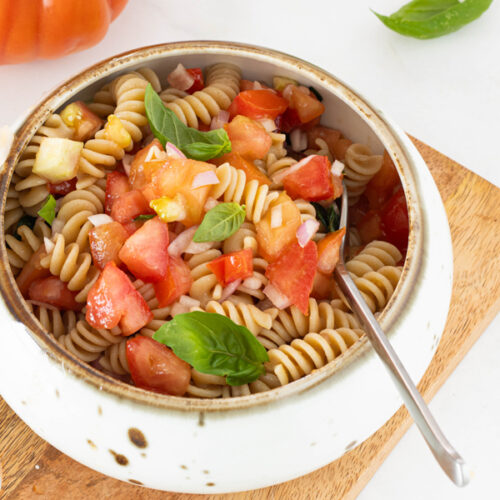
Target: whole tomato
37 29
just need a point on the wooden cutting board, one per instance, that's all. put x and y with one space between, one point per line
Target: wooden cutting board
34 469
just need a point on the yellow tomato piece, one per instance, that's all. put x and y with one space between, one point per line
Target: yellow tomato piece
116 132
170 209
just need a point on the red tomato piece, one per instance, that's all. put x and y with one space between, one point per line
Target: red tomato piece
142 171
340 147
176 283
293 273
53 291
288 121
257 104
129 205
328 251
237 161
329 135
232 266
312 181
198 83
62 188
131 227
113 301
308 107
145 253
116 185
105 243
32 271
154 367
370 227
383 184
394 217
248 138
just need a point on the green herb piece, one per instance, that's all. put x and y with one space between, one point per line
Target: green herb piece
432 18
220 222
167 127
316 93
212 343
26 220
48 211
329 217
145 217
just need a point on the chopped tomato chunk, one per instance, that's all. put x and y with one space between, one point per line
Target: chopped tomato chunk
383 184
154 367
84 121
394 216
113 301
32 271
130 205
257 104
116 185
328 251
105 243
62 188
340 147
176 283
308 107
232 266
293 273
312 181
141 170
248 138
145 253
329 135
53 291
370 227
198 83
237 161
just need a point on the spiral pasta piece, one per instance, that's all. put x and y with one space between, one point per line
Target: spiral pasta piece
253 285
292 323
245 237
315 350
222 85
360 166
103 102
87 343
233 187
276 167
52 319
374 256
114 358
205 284
13 209
323 149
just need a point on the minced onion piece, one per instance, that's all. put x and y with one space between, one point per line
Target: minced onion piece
230 289
337 168
207 178
287 91
180 78
276 216
188 301
210 203
281 174
179 245
173 151
306 231
268 124
298 139
276 297
127 163
49 245
253 283
153 151
219 120
57 225
100 219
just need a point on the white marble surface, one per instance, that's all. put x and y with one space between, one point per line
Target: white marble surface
444 91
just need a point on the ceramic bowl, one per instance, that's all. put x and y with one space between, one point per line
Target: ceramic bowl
208 446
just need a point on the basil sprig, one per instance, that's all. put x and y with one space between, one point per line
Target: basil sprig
432 18
329 217
167 127
212 343
48 211
220 222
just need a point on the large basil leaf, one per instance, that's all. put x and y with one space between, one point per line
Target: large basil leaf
220 222
167 127
212 343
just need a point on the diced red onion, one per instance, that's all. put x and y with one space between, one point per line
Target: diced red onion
207 178
100 219
180 78
337 168
306 231
49 245
253 283
210 203
268 124
188 301
179 245
276 297
173 151
219 120
57 226
298 139
276 216
127 163
230 289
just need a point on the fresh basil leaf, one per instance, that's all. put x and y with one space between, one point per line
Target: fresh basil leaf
329 217
167 127
48 211
432 18
220 222
145 217
214 344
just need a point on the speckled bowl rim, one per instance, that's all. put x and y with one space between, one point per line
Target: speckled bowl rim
373 117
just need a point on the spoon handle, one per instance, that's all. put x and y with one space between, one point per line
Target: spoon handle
448 458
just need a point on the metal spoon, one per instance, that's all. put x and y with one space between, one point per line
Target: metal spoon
448 458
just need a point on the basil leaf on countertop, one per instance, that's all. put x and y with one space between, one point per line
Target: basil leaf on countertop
48 211
214 344
432 18
329 217
167 127
220 222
